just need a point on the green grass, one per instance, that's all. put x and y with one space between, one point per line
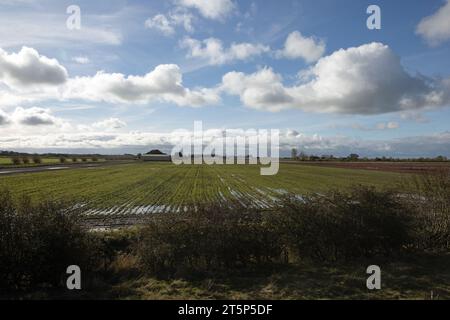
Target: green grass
419 278
408 279
130 186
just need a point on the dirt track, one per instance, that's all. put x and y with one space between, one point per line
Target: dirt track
57 167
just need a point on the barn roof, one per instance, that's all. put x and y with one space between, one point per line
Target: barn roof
155 152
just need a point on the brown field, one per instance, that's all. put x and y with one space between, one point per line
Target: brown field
400 167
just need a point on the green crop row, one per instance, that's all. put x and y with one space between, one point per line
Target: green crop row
143 187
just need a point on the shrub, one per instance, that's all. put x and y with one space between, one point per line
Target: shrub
74 159
84 159
342 226
428 197
25 160
94 159
207 239
62 160
16 161
37 160
362 222
39 241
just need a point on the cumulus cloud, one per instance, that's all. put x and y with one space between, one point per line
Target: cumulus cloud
29 68
31 77
212 50
34 117
436 28
110 124
299 47
368 79
164 83
210 9
260 90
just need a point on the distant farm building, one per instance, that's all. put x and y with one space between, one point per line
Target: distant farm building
156 155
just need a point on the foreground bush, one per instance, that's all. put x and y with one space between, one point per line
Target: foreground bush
208 239
344 225
38 242
428 197
338 226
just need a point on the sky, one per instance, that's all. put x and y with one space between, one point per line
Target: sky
133 72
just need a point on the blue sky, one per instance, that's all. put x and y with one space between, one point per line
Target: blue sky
376 92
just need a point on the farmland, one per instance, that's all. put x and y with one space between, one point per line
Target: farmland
140 188
392 166
299 249
8 161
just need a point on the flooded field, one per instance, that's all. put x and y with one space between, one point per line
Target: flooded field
125 194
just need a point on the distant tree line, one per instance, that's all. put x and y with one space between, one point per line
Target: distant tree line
302 156
45 155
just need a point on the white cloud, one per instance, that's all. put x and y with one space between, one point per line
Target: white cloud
436 28
260 90
81 60
297 46
415 146
29 68
167 24
11 99
34 117
362 80
110 124
213 51
30 77
164 83
180 15
210 9
23 122
161 23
